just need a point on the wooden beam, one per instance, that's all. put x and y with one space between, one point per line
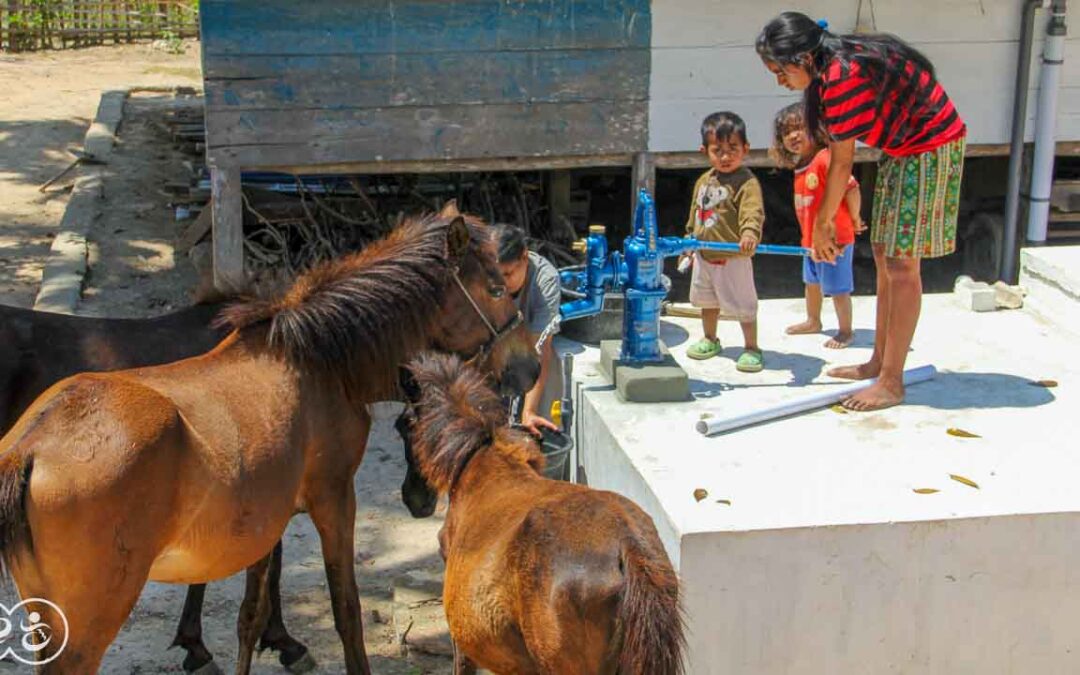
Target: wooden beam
228 214
558 194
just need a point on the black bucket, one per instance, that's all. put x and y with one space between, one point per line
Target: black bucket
556 447
607 325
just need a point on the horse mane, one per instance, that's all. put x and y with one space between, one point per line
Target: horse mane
354 319
459 414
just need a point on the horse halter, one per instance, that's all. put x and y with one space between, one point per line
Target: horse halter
496 334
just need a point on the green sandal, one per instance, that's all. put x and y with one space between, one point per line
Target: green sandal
750 361
703 349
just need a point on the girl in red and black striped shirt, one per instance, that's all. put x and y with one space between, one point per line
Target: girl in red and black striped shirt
883 92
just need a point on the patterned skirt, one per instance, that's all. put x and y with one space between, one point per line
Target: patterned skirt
916 199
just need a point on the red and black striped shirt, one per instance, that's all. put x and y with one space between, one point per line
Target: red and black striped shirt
915 116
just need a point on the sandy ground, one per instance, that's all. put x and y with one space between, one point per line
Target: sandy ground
132 267
48 102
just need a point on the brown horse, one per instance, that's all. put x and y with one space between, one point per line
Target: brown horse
42 348
542 576
190 472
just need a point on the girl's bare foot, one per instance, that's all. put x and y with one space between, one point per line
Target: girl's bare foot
881 394
861 372
839 341
804 328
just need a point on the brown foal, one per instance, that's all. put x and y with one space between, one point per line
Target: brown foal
542 576
189 472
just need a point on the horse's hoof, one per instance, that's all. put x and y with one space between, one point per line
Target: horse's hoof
304 664
209 668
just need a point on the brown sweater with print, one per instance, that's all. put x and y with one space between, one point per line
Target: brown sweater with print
725 207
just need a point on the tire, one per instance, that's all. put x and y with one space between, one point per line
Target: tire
981 246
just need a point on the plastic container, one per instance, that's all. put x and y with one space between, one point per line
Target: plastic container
556 447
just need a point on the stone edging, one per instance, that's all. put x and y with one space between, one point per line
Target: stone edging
65 269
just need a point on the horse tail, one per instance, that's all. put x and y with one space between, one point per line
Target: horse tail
650 613
15 469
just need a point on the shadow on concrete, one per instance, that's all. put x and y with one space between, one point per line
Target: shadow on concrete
804 369
672 334
960 391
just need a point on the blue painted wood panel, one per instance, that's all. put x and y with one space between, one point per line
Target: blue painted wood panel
438 132
340 81
420 26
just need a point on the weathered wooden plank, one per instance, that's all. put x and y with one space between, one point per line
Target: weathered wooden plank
674 124
408 133
687 84
409 26
373 80
228 226
230 157
683 23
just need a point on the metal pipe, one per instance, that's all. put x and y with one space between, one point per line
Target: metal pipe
1007 264
1042 172
718 425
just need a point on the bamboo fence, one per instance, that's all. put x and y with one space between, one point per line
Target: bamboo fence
29 25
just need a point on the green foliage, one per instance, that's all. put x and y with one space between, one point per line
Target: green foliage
42 24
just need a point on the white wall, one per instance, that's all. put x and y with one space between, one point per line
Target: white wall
703 60
977 596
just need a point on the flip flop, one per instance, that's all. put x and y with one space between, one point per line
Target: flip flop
703 349
750 361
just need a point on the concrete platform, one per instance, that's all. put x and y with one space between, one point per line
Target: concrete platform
822 558
1052 277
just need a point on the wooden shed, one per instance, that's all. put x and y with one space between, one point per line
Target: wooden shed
381 86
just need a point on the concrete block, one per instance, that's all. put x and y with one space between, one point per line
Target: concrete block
661 382
976 296
101 136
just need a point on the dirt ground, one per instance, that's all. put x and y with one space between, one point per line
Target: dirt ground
48 102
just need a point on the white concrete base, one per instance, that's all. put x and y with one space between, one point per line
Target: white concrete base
821 558
1052 277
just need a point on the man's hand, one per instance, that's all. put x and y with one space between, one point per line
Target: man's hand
748 244
533 423
859 224
824 242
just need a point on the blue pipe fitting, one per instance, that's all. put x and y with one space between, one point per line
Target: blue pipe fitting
638 271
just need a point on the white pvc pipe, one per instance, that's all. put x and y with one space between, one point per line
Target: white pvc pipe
718 425
1042 168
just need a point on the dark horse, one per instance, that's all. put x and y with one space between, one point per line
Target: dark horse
42 348
189 472
543 577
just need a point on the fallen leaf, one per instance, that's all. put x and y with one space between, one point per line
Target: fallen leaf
965 481
925 491
838 409
1049 384
960 433
724 501
705 416
700 494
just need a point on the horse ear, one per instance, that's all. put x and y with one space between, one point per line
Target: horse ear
450 210
457 238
